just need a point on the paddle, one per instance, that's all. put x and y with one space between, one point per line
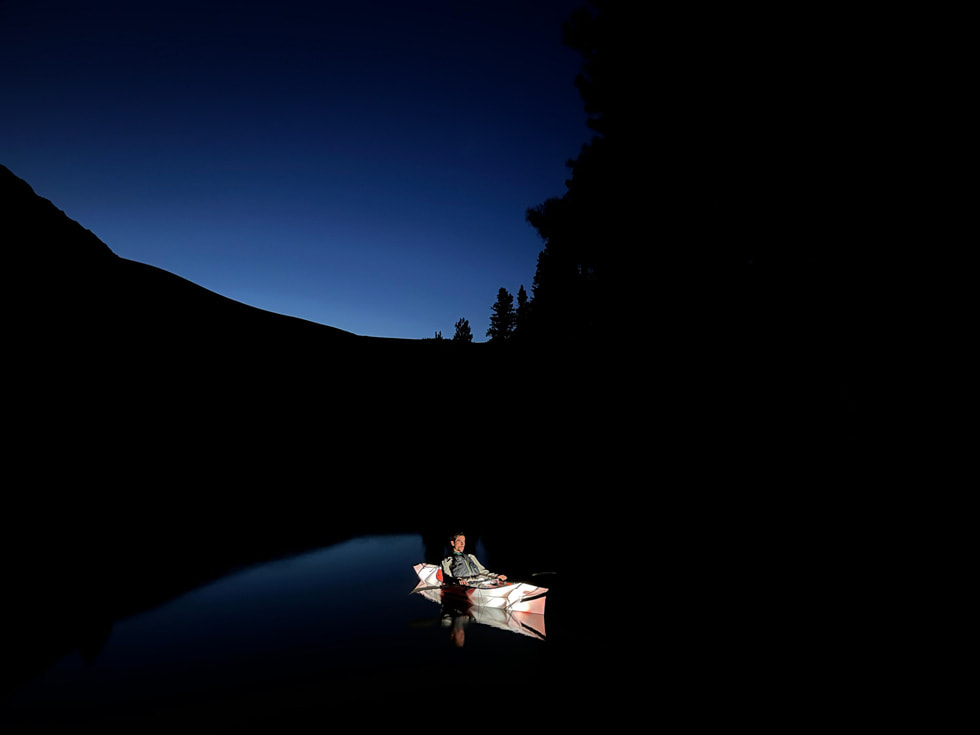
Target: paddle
443 586
440 586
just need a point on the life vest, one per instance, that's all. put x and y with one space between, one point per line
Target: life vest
463 565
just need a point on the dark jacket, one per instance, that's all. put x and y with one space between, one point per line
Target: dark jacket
461 566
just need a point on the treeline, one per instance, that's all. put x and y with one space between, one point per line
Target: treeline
703 195
507 321
584 245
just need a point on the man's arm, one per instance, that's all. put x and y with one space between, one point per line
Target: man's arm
447 576
483 570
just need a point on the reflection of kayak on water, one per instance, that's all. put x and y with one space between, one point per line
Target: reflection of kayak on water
518 597
529 624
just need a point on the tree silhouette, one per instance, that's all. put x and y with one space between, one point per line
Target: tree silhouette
463 331
503 317
591 232
523 310
684 182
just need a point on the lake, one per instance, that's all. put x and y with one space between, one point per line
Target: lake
312 634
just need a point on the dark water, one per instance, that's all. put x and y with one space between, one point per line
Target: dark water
316 633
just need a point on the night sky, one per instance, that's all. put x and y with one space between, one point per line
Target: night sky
365 165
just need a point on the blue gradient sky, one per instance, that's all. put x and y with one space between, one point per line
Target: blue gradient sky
365 165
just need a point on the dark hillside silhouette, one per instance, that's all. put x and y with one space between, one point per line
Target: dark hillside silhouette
121 372
160 434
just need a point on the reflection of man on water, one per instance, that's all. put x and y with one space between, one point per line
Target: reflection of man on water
456 616
465 569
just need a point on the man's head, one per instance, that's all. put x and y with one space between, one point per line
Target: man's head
457 542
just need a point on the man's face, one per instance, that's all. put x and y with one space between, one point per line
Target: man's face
459 543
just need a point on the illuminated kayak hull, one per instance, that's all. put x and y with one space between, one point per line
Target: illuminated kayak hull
525 623
510 596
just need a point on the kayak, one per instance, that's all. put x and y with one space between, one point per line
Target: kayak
511 596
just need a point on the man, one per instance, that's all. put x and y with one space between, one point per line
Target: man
465 569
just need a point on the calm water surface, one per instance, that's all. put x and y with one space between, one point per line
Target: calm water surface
301 633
